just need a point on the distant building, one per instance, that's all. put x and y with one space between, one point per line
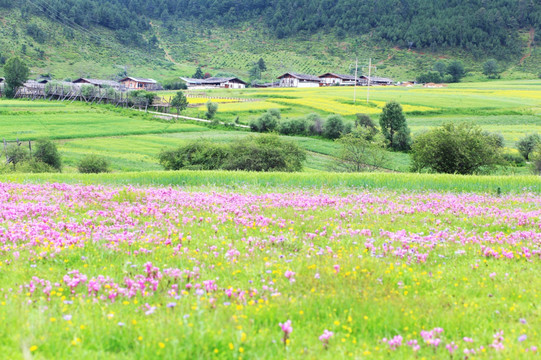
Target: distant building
299 80
2 80
98 83
330 79
215 83
132 83
433 85
374 80
267 85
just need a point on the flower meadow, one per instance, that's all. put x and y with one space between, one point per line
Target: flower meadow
123 272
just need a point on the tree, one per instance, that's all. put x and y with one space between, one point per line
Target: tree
456 70
93 164
261 64
429 77
394 127
334 127
267 122
179 102
357 153
255 72
491 69
47 153
16 73
456 149
440 67
527 144
198 73
212 108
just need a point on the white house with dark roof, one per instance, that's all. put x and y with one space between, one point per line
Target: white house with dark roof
291 79
330 79
215 83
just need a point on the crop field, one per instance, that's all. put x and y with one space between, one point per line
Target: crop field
124 272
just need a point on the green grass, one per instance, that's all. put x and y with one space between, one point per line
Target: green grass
391 181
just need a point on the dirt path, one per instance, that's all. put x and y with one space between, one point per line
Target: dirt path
161 46
168 116
530 42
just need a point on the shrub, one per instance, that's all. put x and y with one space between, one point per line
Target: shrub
526 145
334 127
460 149
93 164
315 124
212 108
46 152
34 166
357 153
364 121
514 159
196 155
267 122
293 127
429 77
16 154
496 138
265 153
394 127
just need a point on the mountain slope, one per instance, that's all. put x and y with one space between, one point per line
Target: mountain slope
167 38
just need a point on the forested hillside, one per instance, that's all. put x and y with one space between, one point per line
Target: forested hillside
165 29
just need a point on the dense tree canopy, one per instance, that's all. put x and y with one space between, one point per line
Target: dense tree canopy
478 26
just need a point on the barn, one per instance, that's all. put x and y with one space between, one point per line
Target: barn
374 80
98 83
330 79
133 83
215 83
299 80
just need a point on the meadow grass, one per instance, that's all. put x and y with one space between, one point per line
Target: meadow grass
392 181
127 272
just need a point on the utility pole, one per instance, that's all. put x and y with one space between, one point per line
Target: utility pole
369 80
355 87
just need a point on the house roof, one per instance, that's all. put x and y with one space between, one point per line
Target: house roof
377 79
211 80
304 77
2 79
141 80
97 82
340 76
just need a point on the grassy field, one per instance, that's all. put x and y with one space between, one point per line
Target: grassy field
132 140
241 272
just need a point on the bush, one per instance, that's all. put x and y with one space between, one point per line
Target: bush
293 127
212 108
16 154
359 154
514 159
364 121
265 153
429 77
34 166
496 138
527 144
334 127
46 152
93 164
455 149
315 124
196 155
267 122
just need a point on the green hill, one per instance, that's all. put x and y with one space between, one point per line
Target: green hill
165 39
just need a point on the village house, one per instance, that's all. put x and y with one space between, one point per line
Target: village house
330 79
374 80
98 83
132 83
214 83
299 80
2 80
